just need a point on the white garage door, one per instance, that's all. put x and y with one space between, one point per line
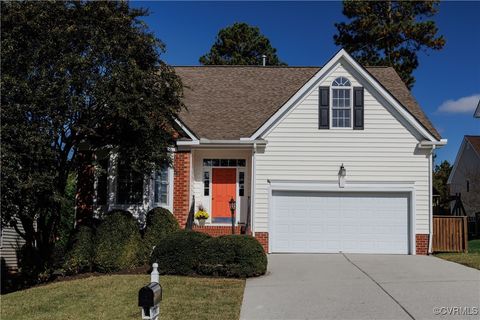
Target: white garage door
339 222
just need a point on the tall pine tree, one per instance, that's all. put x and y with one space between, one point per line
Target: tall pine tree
241 44
389 33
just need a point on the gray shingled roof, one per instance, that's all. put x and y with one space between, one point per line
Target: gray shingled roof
475 142
232 102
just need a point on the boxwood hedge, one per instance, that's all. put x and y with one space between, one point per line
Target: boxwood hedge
118 243
178 252
80 251
160 222
238 256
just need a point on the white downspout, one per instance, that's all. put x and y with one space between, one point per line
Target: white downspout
430 201
252 191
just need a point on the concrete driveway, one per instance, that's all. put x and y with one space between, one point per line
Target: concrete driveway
360 286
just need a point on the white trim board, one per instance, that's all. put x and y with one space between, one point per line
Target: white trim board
187 131
340 56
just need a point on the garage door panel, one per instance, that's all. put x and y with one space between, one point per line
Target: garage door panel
333 222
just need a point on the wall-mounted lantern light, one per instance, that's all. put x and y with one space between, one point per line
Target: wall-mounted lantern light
233 205
342 173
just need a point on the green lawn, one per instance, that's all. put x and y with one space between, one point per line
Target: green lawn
470 259
95 297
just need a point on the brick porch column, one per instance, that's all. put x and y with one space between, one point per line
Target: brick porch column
262 237
421 243
181 186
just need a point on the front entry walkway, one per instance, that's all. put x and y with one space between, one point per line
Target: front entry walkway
361 286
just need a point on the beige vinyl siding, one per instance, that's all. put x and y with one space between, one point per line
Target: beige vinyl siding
10 243
385 151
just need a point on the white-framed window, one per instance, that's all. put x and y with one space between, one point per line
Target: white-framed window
341 115
206 183
161 187
129 184
241 183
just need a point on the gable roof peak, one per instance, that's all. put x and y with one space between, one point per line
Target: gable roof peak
474 142
232 101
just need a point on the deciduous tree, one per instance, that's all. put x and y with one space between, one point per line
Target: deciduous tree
440 178
76 75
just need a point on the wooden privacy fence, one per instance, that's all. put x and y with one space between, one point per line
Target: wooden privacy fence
450 234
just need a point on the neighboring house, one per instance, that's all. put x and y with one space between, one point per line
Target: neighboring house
465 176
10 243
331 159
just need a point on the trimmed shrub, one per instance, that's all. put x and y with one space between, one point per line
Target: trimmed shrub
28 264
79 257
118 244
237 256
160 222
178 252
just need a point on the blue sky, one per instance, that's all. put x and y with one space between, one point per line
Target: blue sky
448 81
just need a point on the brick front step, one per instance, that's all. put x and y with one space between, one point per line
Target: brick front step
216 231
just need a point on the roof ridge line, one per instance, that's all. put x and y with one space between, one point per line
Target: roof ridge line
259 66
241 66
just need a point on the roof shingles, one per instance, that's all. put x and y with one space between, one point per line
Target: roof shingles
475 142
232 102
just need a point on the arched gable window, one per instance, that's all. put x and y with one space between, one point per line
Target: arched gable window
341 103
341 82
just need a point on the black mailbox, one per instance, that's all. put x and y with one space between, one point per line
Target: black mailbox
150 295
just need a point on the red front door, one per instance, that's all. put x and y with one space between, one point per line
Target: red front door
224 185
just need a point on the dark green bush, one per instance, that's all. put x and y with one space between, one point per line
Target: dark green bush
159 222
118 244
28 264
80 251
178 252
232 256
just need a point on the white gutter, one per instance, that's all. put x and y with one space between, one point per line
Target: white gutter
429 144
221 143
430 201
188 143
253 190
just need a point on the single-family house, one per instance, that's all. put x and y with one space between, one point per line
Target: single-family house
317 159
464 179
10 245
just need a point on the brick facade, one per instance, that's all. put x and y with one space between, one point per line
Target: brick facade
262 237
216 231
421 241
181 186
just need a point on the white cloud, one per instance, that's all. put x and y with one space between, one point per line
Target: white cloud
462 105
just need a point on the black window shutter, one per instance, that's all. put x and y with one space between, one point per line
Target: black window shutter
358 108
323 108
